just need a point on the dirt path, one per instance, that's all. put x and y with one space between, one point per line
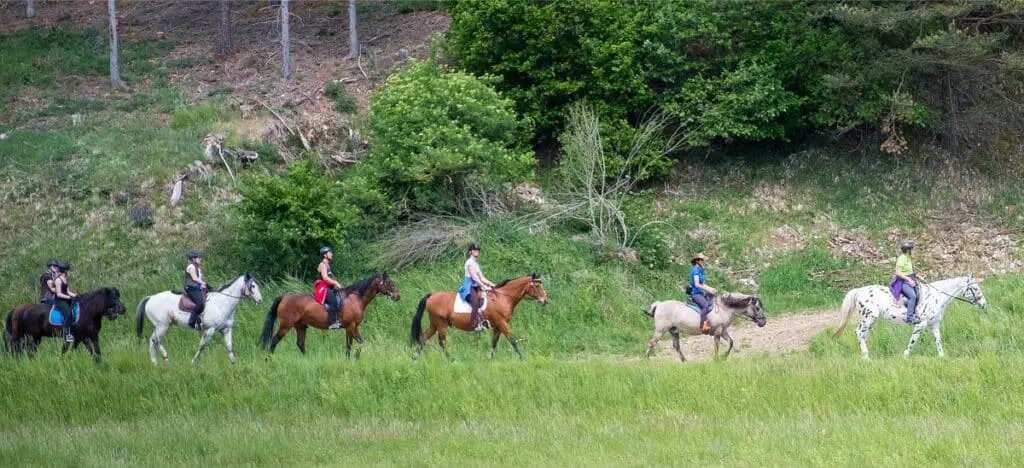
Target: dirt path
781 335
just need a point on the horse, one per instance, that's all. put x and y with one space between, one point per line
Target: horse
163 311
875 301
675 317
301 310
502 301
30 323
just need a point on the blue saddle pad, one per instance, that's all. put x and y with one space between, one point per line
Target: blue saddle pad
696 308
56 319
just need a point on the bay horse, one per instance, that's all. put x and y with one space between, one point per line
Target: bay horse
28 324
218 316
301 311
676 317
877 302
502 301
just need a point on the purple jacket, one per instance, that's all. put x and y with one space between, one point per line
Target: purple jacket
896 285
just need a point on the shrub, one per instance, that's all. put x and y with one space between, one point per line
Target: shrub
435 131
194 116
343 103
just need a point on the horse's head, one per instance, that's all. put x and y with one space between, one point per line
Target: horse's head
536 289
387 286
112 306
251 289
972 292
755 313
746 305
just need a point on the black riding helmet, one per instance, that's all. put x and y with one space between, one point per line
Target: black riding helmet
907 246
193 254
325 249
52 262
474 246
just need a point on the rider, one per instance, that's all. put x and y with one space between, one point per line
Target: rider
906 279
333 301
194 285
47 291
64 299
701 293
472 282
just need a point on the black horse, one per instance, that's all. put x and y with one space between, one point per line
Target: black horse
28 324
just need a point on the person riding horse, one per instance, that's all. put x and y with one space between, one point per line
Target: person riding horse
194 286
904 281
64 299
700 293
47 290
327 288
472 282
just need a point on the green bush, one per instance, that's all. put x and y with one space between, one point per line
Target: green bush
436 131
343 103
194 116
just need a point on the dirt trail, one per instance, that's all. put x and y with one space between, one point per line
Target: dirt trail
781 335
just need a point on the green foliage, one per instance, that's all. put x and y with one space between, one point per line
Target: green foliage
198 116
435 132
285 219
343 103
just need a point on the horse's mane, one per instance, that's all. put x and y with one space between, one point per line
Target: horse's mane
360 287
736 300
85 300
224 286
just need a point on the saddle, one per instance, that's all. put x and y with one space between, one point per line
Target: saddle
186 303
57 320
463 307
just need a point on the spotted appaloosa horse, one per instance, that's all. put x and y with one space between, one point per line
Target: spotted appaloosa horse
874 302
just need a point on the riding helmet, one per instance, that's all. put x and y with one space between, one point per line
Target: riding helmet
907 246
64 266
193 254
52 262
474 246
325 249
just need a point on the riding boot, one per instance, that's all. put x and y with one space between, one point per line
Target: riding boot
193 320
705 327
68 336
333 306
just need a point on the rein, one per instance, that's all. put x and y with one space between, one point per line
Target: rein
972 302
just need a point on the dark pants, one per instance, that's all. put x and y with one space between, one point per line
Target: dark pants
911 294
334 304
196 294
704 302
65 308
474 301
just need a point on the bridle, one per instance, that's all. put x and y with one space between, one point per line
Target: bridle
967 287
247 287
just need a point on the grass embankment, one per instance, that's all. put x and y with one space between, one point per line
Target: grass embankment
573 402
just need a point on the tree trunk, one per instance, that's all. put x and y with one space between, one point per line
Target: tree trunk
30 8
115 74
353 35
224 34
286 68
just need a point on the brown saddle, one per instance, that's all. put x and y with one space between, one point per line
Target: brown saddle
187 304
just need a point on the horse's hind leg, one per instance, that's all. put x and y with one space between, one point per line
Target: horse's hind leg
202 344
442 340
227 344
156 341
863 331
423 340
676 346
652 343
281 332
300 338
96 353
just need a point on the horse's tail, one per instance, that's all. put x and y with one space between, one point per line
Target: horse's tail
140 313
846 310
268 325
417 327
7 333
652 309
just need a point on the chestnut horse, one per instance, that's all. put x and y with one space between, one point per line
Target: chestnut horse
28 324
300 311
500 303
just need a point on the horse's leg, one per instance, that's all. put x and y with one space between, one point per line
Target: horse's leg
96 353
300 339
676 345
494 343
442 340
728 338
348 342
281 332
505 330
863 331
423 340
227 344
653 342
156 340
918 328
718 339
207 335
938 339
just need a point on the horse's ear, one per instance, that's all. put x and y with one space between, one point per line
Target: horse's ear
533 275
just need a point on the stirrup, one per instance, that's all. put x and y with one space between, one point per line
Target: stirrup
334 326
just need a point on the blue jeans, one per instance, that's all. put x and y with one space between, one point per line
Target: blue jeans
911 294
705 305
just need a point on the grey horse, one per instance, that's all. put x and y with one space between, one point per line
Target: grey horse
676 317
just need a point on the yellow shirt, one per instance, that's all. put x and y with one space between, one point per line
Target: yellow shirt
903 265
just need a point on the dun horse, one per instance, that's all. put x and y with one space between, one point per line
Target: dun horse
501 303
675 317
28 324
300 311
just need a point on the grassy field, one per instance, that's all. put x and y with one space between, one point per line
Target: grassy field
580 398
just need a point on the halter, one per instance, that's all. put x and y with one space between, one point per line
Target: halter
974 297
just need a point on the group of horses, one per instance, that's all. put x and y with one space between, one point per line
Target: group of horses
26 325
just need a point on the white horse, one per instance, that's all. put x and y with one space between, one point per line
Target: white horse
675 317
874 302
218 315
